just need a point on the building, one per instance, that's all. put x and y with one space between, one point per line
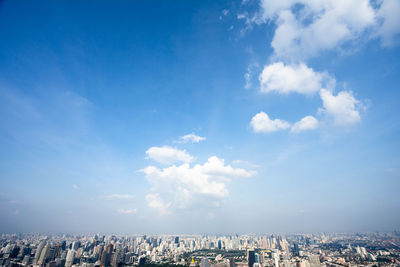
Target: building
251 257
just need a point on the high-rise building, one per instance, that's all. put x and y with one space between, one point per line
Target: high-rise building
26 260
70 258
106 256
39 251
43 254
275 257
251 257
76 245
232 262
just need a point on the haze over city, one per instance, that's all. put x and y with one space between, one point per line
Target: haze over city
200 117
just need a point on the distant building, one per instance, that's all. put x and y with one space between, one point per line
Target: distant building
204 262
314 261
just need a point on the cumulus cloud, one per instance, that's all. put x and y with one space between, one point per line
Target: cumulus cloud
118 197
168 155
191 138
178 186
154 201
307 28
261 123
306 123
299 78
302 25
126 211
216 167
343 108
389 19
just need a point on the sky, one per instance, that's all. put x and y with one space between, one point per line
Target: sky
252 116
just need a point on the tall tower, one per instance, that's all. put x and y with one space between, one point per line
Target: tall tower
43 255
39 251
70 258
251 257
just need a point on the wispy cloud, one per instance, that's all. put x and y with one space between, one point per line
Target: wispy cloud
126 211
248 76
394 171
191 138
168 155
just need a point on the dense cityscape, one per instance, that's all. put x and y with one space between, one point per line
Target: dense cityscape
302 250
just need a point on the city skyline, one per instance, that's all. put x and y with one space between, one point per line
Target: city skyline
200 116
297 250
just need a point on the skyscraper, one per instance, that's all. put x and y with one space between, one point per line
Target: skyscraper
39 251
70 258
251 257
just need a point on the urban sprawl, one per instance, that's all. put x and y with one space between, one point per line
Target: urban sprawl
301 250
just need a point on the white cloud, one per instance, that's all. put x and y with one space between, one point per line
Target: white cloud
154 201
307 27
168 155
191 138
118 197
261 123
298 78
216 167
178 186
126 211
389 17
248 76
343 108
75 187
306 123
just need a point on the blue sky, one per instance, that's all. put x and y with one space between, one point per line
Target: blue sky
199 116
